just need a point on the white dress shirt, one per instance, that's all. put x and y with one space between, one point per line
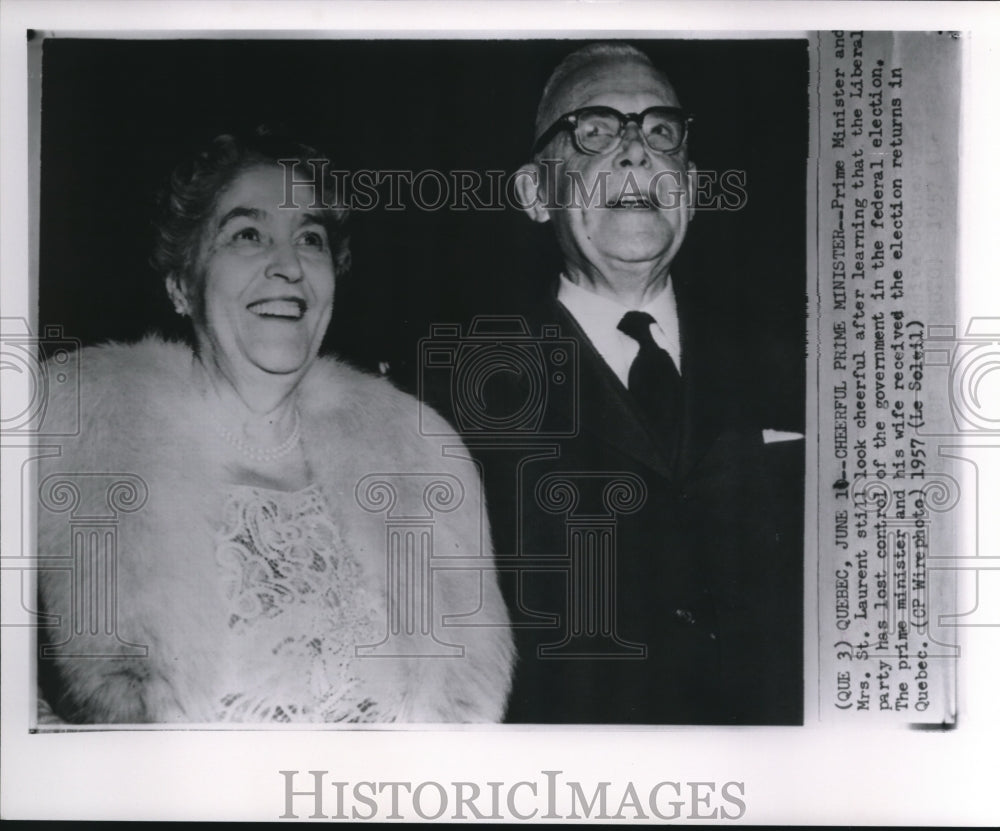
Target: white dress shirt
599 317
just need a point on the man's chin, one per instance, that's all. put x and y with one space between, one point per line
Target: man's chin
639 226
636 248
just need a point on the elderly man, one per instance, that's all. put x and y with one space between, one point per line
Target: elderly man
650 536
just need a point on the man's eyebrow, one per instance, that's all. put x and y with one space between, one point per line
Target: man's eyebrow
252 213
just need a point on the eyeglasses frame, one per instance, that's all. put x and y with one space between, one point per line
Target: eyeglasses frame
571 121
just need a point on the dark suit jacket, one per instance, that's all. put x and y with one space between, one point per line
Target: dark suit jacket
642 589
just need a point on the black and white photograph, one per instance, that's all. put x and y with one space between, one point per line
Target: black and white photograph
416 419
677 603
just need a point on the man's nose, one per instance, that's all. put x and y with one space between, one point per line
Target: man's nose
633 146
285 262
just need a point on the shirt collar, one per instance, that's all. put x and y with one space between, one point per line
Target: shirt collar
599 317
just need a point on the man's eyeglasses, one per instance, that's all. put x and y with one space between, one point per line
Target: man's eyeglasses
600 129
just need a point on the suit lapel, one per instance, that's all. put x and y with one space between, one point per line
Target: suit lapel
705 410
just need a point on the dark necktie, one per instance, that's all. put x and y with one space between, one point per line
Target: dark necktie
653 380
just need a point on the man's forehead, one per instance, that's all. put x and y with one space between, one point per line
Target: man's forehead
608 78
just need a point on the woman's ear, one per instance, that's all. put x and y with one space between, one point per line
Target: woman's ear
178 296
531 191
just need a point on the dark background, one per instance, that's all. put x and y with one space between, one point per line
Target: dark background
117 114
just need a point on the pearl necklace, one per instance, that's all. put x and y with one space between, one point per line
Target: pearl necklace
265 454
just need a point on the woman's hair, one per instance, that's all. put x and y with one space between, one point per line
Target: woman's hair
191 193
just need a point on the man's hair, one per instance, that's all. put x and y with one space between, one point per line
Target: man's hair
591 53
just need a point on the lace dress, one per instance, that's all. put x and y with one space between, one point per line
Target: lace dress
297 608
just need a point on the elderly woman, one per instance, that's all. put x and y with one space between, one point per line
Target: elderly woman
257 574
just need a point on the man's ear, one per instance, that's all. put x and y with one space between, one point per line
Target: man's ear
530 190
177 295
692 188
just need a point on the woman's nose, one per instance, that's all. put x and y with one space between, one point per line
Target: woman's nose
285 263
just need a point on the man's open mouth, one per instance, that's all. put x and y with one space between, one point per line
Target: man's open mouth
283 308
632 203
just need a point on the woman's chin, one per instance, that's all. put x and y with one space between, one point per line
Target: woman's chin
282 360
277 351
283 367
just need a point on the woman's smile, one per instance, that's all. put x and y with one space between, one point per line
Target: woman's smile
279 308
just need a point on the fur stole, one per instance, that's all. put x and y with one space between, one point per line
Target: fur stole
141 424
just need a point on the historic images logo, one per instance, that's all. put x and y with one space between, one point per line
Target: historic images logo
496 190
318 794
